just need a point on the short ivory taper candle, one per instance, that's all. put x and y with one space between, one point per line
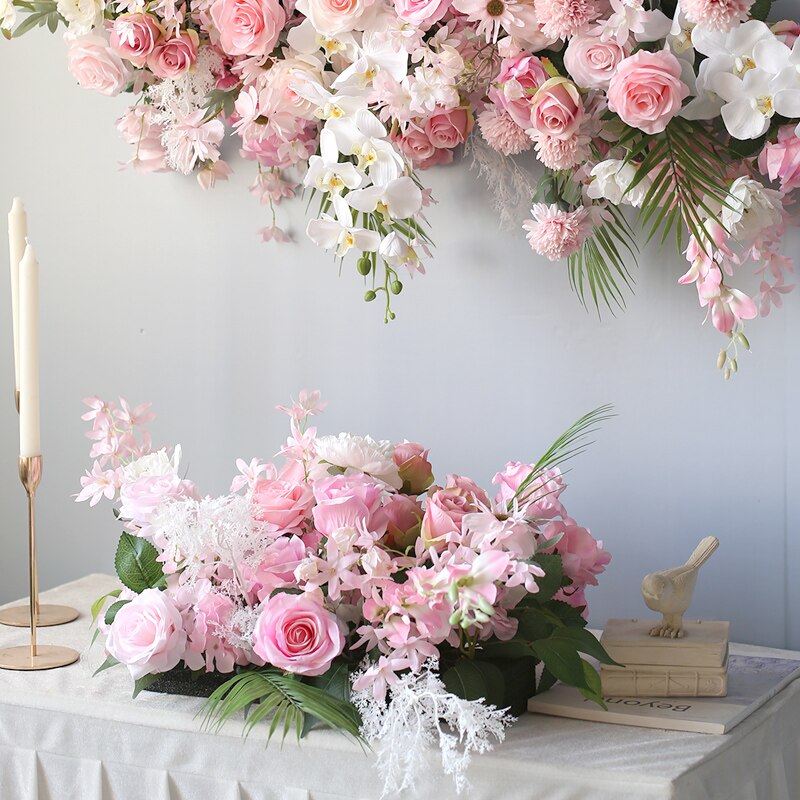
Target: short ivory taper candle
29 435
17 232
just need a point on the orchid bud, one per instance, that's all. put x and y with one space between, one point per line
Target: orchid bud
364 265
722 358
396 287
742 339
369 295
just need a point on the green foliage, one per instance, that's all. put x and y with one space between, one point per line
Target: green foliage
220 101
107 664
553 575
111 613
142 683
285 698
475 680
760 9
98 604
137 565
40 13
336 682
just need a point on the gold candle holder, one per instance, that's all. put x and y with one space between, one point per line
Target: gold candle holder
34 656
46 614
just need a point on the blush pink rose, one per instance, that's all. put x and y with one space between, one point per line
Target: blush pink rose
282 505
541 495
295 633
140 498
557 109
172 57
582 556
448 129
276 570
646 91
422 13
95 65
403 515
781 159
248 27
134 36
444 513
591 61
467 487
347 501
414 468
515 84
147 634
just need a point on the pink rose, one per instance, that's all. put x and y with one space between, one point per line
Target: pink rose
330 17
295 633
540 495
557 109
446 508
172 57
448 129
515 85
276 570
781 159
282 505
347 501
591 61
467 487
581 554
414 468
248 27
646 90
140 498
403 515
133 36
95 65
422 13
147 634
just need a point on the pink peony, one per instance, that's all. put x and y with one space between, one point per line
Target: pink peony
140 498
133 36
591 61
781 159
422 13
248 27
449 129
414 468
95 65
172 57
561 19
646 91
501 132
556 234
297 634
557 109
282 505
147 634
717 15
515 85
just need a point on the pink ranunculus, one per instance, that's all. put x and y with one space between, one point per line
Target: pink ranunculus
95 65
277 566
147 634
140 498
449 129
282 505
591 61
781 159
582 556
515 85
248 27
134 36
557 109
646 91
414 468
172 57
346 501
298 634
421 13
404 516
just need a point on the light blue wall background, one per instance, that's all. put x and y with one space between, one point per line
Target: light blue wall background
157 291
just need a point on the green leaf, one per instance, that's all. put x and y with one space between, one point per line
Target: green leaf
109 662
98 604
111 613
475 680
594 688
535 623
760 10
546 681
336 682
142 683
136 564
562 659
553 575
584 642
569 615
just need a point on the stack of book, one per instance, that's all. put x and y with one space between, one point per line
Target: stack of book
696 665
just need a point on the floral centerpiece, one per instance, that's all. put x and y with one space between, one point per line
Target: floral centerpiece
332 594
685 110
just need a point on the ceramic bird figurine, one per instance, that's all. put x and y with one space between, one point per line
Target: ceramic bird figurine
670 591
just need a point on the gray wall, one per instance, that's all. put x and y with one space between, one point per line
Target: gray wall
157 291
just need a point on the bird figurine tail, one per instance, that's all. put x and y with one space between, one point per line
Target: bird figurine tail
703 551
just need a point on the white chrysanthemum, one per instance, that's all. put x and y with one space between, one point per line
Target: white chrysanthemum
81 15
359 453
153 464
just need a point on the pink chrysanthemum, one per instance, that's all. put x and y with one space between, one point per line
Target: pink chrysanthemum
562 153
561 19
556 234
716 15
501 132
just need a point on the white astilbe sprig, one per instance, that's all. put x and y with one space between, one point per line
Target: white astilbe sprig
420 716
510 186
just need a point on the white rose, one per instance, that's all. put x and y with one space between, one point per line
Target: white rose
153 464
359 453
82 15
8 15
611 180
750 209
330 17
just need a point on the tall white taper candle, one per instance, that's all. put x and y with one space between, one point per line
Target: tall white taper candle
29 435
17 232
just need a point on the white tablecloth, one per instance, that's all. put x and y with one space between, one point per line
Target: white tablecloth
65 735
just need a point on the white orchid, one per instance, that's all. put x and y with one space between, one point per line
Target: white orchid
304 38
326 172
630 18
397 253
751 209
399 199
733 50
377 54
8 15
340 231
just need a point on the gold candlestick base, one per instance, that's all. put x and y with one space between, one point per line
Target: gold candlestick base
48 615
47 656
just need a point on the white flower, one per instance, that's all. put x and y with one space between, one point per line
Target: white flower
630 17
339 231
397 253
399 199
8 15
376 54
735 46
153 464
751 209
82 15
326 173
360 453
611 181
